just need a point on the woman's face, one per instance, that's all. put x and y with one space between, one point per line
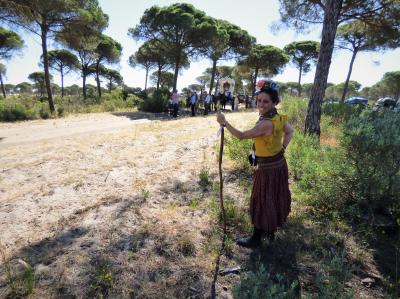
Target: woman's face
264 103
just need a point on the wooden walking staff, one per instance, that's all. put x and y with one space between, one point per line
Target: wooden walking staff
221 202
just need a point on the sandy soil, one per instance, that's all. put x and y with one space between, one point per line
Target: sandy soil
32 131
75 189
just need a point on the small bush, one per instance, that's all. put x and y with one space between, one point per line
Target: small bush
204 180
236 216
340 112
238 151
319 172
10 111
157 103
332 275
296 110
42 109
372 145
20 277
101 277
60 111
262 284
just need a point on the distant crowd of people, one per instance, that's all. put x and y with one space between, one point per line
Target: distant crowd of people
209 102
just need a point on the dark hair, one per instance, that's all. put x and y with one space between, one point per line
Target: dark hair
273 93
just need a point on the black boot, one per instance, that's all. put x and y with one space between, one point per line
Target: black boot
271 236
253 241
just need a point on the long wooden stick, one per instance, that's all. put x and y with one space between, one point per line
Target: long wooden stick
221 202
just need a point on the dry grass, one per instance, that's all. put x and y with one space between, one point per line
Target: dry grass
122 214
110 212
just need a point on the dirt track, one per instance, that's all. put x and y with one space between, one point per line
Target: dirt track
32 131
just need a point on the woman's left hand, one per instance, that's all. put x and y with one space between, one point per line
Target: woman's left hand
221 118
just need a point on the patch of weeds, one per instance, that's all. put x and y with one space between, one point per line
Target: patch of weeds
162 247
145 194
204 179
262 284
236 216
78 185
28 278
332 275
179 186
215 188
186 246
194 203
20 278
101 278
213 243
228 246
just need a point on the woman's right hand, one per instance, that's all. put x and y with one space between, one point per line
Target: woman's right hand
221 118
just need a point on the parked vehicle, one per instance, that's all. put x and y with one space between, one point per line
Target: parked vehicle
356 100
397 107
386 102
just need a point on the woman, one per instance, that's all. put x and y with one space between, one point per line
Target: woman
175 103
270 198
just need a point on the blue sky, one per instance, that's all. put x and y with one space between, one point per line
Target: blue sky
254 16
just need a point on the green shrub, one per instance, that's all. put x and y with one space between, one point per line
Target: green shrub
319 173
15 111
158 102
236 215
296 110
238 151
101 277
372 145
341 112
42 109
204 179
60 111
360 178
263 285
332 275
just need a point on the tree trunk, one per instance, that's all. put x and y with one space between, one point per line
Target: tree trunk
177 65
84 84
299 82
255 81
109 88
214 68
3 89
332 11
158 77
98 78
145 82
44 30
346 84
62 81
41 85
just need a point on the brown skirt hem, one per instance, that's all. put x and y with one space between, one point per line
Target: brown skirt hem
270 199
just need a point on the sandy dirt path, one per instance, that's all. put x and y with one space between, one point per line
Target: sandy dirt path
32 131
71 188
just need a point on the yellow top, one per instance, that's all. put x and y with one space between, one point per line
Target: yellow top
267 146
